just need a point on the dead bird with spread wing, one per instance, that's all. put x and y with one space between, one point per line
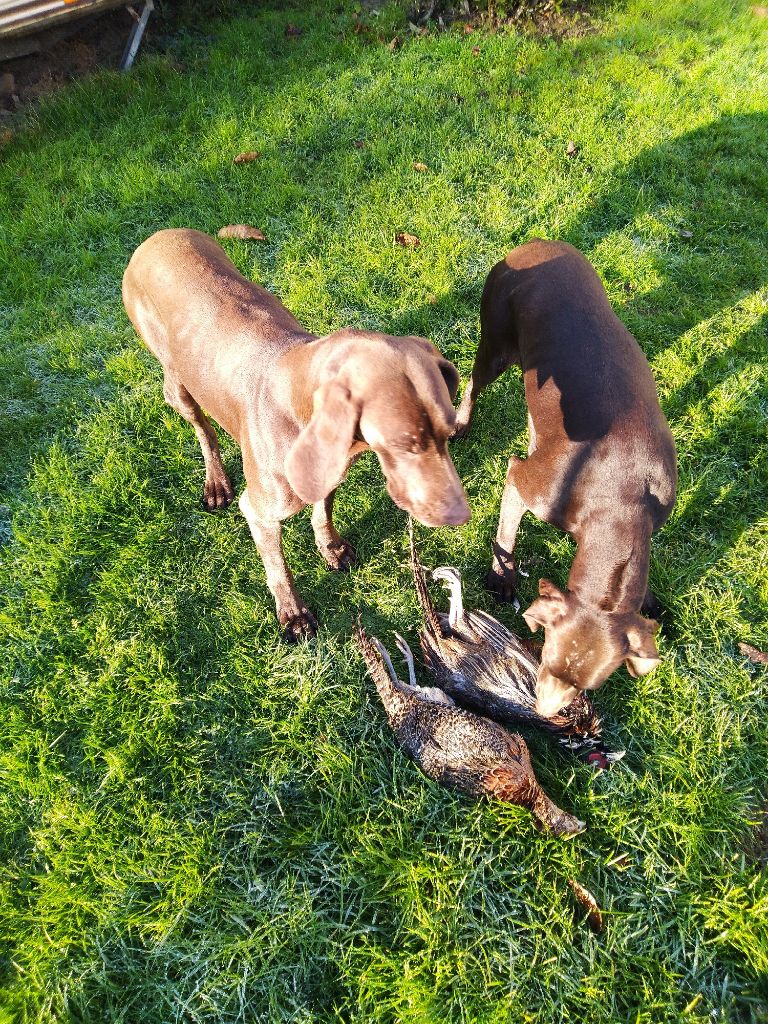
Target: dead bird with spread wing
456 747
485 667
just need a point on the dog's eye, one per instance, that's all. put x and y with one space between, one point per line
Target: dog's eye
414 443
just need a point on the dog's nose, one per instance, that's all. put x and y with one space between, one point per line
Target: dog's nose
457 514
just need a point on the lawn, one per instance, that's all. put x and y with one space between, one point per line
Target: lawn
201 824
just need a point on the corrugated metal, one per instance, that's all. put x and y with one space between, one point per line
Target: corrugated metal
18 17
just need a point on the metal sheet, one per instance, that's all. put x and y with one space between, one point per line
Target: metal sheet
19 17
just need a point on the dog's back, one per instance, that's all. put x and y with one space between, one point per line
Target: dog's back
587 383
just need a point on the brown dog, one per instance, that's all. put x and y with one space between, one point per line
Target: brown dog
301 408
601 462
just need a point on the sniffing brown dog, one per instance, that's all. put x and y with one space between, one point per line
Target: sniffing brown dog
601 462
300 407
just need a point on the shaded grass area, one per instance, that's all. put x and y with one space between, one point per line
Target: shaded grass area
199 824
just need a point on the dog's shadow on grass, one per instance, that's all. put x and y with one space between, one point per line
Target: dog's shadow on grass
711 272
699 279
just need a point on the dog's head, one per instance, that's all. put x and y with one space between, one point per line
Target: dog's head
583 646
395 396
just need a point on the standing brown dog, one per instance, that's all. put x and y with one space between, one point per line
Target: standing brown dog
601 462
300 407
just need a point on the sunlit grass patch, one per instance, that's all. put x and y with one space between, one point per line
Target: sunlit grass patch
200 824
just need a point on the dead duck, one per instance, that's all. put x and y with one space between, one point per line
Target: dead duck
485 667
455 747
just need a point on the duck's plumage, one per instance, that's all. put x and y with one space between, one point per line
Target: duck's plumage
485 667
455 747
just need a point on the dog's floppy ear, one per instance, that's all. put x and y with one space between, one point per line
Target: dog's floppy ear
450 376
548 608
319 455
643 655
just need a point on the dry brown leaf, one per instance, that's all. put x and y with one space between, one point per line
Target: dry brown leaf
409 241
247 158
359 143
292 31
394 44
571 149
759 657
419 167
475 51
468 28
588 901
241 231
6 136
759 11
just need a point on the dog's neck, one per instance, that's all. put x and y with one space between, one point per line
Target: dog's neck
305 363
308 365
610 570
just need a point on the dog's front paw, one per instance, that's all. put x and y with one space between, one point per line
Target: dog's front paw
501 583
339 555
218 493
299 626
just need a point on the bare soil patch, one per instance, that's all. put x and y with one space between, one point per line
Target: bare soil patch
88 45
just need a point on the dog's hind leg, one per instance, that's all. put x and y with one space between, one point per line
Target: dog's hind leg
497 350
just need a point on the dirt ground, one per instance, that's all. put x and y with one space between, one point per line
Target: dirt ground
93 43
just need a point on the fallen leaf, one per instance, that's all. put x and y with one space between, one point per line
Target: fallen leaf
684 234
359 143
588 901
419 167
394 44
247 158
292 32
475 51
6 136
571 149
409 241
759 11
759 657
468 28
241 231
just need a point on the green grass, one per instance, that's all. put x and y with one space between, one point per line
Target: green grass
199 824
